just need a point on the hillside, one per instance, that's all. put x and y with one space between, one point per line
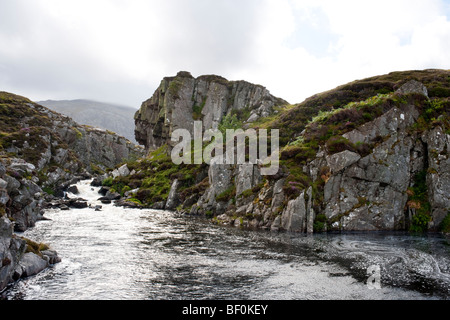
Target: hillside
115 118
369 155
42 150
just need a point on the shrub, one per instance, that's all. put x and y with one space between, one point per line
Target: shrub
108 182
227 194
320 223
419 223
338 144
445 224
418 199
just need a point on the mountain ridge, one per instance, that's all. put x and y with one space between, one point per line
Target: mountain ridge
113 117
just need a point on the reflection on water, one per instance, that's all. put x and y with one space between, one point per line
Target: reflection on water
134 254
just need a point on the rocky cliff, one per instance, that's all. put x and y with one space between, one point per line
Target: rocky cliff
369 155
183 99
391 172
41 154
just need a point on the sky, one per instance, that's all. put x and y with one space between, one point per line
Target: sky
118 51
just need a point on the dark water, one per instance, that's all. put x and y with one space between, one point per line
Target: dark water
128 254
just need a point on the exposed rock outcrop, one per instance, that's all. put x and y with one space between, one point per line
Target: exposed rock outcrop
370 155
181 100
42 153
17 259
353 191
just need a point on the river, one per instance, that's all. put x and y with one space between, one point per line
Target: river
130 254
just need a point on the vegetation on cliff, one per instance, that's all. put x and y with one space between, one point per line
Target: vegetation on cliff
322 123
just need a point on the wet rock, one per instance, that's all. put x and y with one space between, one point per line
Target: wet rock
276 224
172 200
78 203
103 190
30 265
159 205
112 195
51 256
73 189
294 217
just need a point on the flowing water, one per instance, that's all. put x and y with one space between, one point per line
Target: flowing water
131 254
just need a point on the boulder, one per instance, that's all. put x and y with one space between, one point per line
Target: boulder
413 86
173 200
294 216
77 203
31 264
73 189
123 171
51 256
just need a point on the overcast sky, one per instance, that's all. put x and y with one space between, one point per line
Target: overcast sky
119 50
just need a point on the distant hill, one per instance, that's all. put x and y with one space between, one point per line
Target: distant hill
116 118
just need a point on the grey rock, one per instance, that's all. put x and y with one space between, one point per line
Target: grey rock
159 205
4 197
342 160
13 184
276 224
112 195
172 200
171 106
31 264
73 189
6 227
2 169
413 86
278 195
310 216
104 190
123 171
294 216
78 204
51 256
438 177
3 184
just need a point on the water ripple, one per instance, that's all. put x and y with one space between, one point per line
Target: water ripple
124 254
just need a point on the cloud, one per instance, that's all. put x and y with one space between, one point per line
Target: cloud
118 51
356 39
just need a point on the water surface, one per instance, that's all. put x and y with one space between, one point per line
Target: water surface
131 254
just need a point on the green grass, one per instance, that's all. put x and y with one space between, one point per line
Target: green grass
418 197
227 195
445 224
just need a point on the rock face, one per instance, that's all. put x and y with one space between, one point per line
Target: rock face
181 100
368 192
42 153
16 261
22 199
55 145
